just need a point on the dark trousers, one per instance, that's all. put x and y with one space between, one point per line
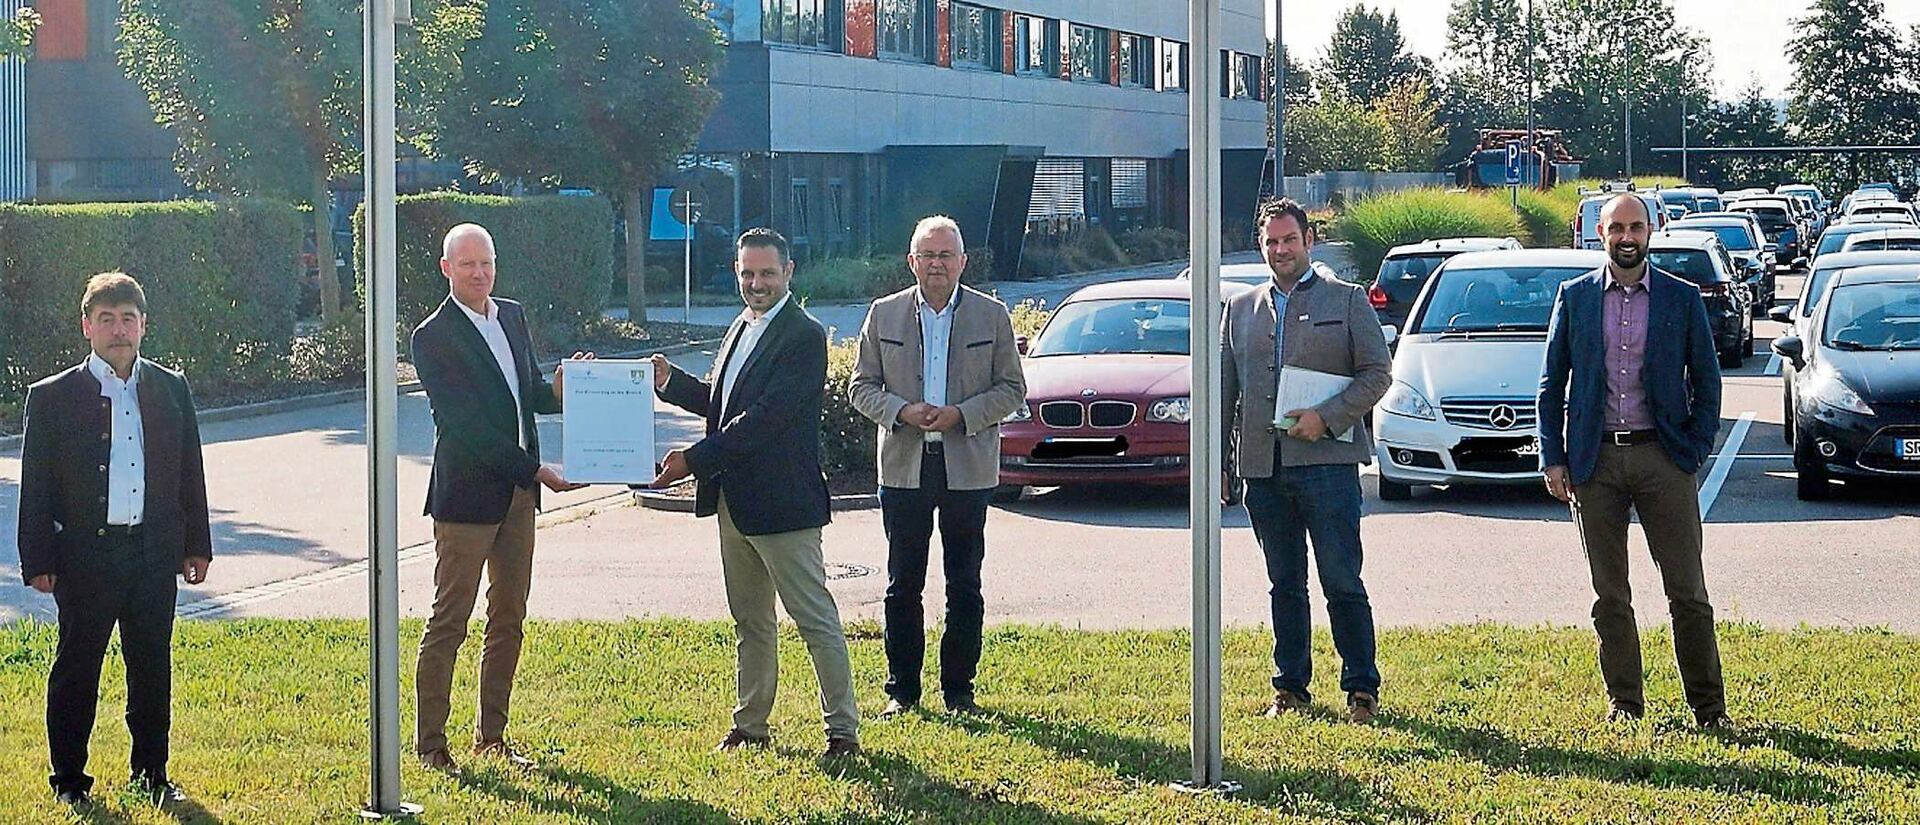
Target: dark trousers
119 580
909 517
1643 479
1323 502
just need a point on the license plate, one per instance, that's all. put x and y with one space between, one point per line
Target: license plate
1532 447
1910 449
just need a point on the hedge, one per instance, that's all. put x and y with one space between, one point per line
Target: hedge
553 254
221 278
1379 223
848 440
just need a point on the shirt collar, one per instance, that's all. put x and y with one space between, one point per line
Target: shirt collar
493 312
920 298
747 314
1304 278
102 371
1607 282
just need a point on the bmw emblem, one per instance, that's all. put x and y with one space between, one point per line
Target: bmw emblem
1088 393
1503 417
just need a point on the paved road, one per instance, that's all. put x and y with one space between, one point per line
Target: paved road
290 533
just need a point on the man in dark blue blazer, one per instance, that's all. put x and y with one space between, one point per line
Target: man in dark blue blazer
758 470
1629 404
475 358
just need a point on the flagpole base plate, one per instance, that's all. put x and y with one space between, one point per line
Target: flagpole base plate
407 810
1222 788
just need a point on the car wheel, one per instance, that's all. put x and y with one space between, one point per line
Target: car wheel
1810 479
1786 418
1395 491
1731 357
1006 493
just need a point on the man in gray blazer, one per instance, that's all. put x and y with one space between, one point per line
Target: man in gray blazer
938 371
1305 480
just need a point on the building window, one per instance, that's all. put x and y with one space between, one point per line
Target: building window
812 23
1092 58
1059 190
976 37
1136 60
838 227
802 200
1036 46
905 29
1241 76
1173 66
1129 183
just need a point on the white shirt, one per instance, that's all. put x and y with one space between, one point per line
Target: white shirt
496 338
936 338
743 348
127 459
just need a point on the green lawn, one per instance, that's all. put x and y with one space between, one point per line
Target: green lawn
1483 723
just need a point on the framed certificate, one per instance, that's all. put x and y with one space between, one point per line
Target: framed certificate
608 416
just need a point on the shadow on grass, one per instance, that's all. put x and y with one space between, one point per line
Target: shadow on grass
601 799
1499 751
1154 762
906 791
126 803
1814 747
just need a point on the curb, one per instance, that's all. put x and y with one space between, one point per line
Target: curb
681 504
330 398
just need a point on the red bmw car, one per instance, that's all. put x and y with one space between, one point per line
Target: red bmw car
1107 390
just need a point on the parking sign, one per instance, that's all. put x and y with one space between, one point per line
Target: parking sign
1513 162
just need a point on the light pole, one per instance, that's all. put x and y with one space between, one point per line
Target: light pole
1539 174
1280 105
1626 87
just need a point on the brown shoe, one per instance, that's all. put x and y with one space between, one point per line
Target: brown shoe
1285 702
737 739
500 748
1361 707
440 761
895 708
841 748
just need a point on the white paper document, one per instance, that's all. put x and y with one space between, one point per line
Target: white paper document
608 410
1302 388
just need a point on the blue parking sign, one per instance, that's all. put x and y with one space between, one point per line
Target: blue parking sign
1513 162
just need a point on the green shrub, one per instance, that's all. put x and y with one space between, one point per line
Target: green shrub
851 279
221 278
553 254
1029 316
1547 220
981 266
334 352
1376 224
1154 243
847 438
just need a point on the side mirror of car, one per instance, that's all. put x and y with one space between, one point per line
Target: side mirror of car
1782 313
1391 334
1791 348
1020 343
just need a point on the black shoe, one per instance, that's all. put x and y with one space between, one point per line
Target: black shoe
895 707
1622 713
737 739
963 705
841 748
74 798
1715 722
159 791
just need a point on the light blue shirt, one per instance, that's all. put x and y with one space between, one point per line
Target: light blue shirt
1280 319
127 455
936 339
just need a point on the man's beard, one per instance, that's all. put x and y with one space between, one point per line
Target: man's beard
1628 258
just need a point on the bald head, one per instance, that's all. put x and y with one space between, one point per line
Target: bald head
1625 228
466 258
464 233
1636 209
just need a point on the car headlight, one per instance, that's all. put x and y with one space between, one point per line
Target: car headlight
1824 385
1022 413
1403 399
1174 410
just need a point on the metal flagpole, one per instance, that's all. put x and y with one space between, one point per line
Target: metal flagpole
1279 105
1203 503
383 546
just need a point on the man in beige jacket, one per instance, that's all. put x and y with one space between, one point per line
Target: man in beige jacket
938 371
1302 468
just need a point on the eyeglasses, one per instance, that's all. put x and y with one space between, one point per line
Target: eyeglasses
943 257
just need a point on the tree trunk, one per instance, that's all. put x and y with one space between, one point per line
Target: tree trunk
638 211
323 249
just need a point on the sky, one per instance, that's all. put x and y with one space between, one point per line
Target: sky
1746 45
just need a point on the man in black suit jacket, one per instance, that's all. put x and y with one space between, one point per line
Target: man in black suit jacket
475 357
113 506
758 469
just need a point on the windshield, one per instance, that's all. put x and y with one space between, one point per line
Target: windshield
1692 264
1834 239
1710 203
1736 238
1401 278
1772 218
1156 326
1484 300
1859 244
1874 316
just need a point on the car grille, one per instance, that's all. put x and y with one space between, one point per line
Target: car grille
1111 413
1883 452
1063 414
1498 414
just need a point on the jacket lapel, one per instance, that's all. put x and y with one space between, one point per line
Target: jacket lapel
476 346
1660 305
768 340
727 346
158 421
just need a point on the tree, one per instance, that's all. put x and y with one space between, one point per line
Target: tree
1410 134
1483 77
1590 77
1748 120
1299 82
1852 84
1335 133
16 35
1367 57
604 94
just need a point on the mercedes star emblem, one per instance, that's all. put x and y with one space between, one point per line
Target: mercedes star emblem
1503 417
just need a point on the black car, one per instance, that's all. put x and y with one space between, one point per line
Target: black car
1407 268
1698 257
1857 384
